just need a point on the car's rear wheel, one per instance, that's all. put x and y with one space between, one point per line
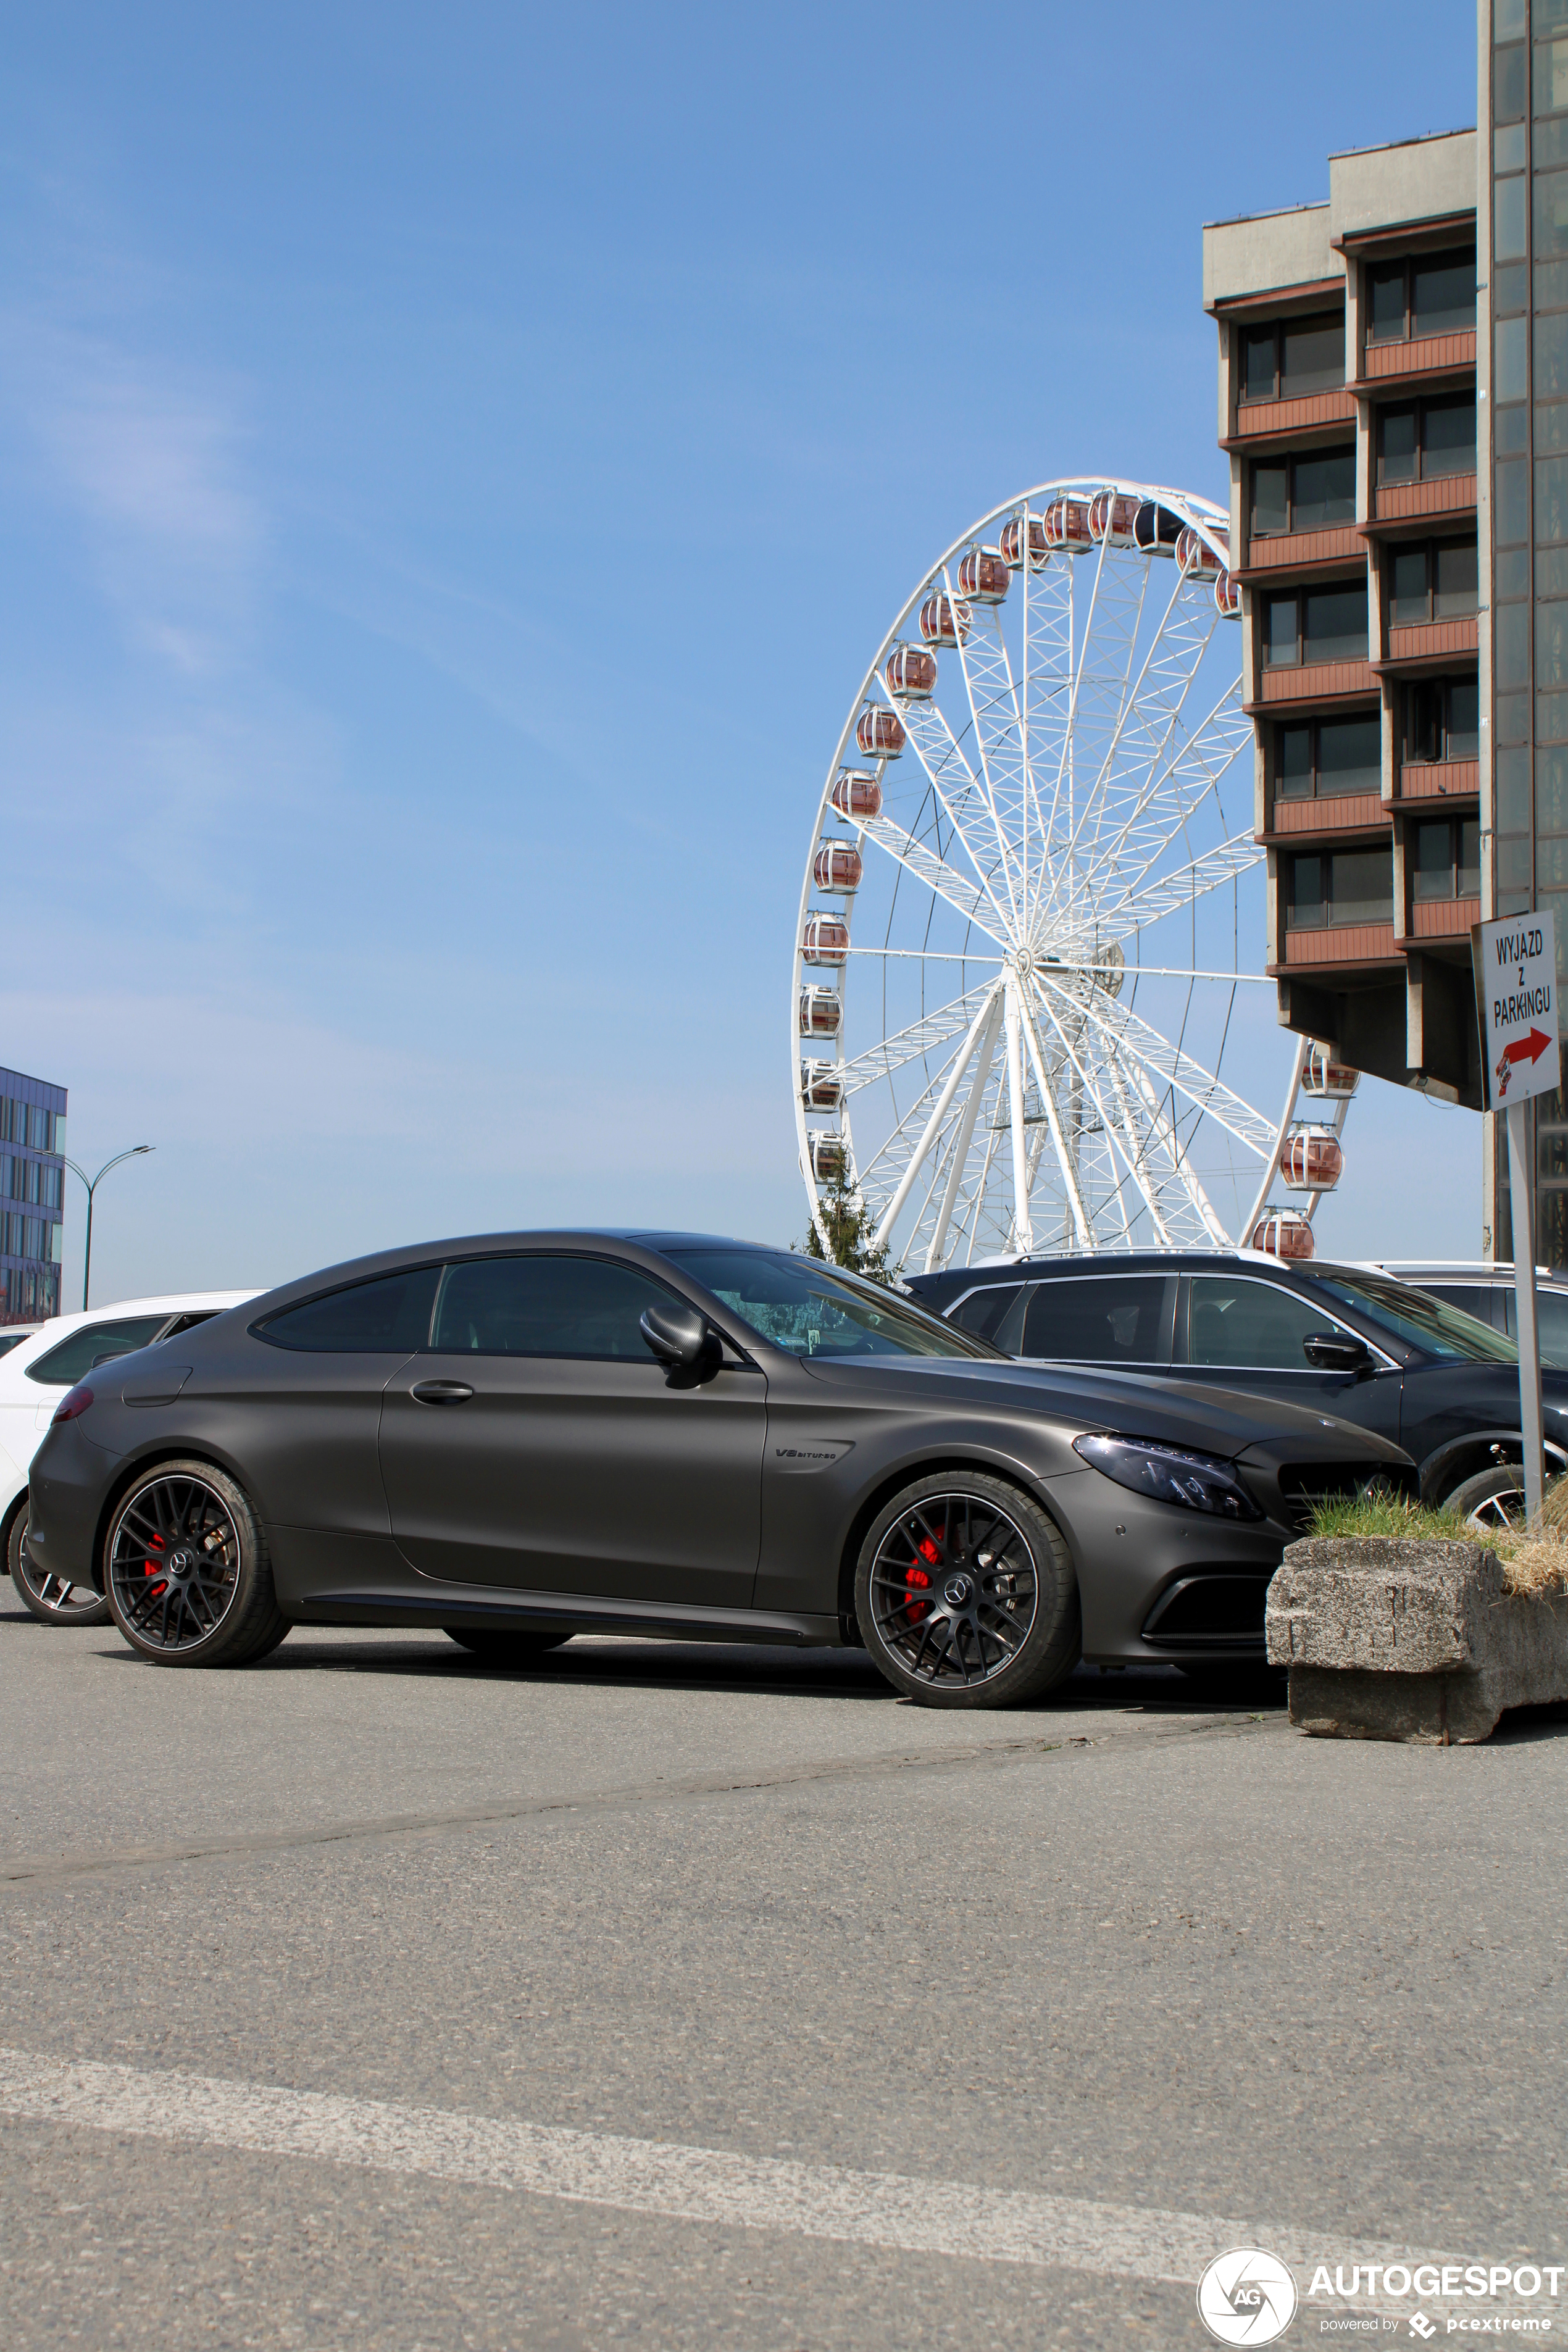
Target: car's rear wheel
502 1649
51 1599
965 1593
187 1569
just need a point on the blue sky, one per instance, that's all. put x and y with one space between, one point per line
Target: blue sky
456 466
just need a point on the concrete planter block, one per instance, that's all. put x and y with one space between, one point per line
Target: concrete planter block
1390 1638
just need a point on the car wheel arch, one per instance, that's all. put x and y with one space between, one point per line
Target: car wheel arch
945 1464
158 1451
1462 1457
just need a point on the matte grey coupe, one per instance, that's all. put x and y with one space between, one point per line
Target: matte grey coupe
519 1437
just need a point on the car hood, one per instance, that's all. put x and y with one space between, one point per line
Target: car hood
1135 1404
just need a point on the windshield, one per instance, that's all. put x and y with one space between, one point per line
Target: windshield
1418 1319
811 1309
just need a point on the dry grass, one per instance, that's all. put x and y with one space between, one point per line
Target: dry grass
1535 1560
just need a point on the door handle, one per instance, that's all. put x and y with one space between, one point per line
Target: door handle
440 1392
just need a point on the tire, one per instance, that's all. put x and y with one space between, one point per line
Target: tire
504 1649
1492 1500
51 1602
187 1569
940 1606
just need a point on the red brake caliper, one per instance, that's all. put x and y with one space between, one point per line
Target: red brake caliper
917 1579
151 1567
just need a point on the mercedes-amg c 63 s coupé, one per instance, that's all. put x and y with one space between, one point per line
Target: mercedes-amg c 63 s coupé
519 1437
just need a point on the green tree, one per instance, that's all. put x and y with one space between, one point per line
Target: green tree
849 1228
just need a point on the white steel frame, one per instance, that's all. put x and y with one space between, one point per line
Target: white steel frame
1057 820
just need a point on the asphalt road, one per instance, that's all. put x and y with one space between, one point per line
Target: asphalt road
696 1997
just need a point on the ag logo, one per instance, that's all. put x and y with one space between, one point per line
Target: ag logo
1247 2296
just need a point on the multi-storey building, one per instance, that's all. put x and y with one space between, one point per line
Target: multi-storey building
1347 404
32 1196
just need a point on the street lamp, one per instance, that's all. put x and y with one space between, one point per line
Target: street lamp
92 1183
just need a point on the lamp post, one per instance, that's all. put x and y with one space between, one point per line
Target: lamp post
92 1183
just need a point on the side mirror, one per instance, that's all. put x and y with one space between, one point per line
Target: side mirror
1336 1351
683 1339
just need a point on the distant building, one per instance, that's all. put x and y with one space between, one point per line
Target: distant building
32 1196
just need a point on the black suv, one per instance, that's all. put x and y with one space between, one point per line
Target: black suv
1361 1345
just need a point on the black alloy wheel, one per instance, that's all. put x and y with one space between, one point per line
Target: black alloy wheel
1492 1502
188 1577
50 1599
965 1594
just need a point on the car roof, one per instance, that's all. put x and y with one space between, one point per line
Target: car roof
1179 1260
1484 1269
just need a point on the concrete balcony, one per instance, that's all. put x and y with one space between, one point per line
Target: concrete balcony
1443 495
1298 551
1426 359
1442 918
1329 816
1314 682
1436 779
1259 421
1337 948
1429 641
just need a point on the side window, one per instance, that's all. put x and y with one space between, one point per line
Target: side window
1251 1325
72 1361
982 1312
544 1306
1551 1322
1106 1319
387 1316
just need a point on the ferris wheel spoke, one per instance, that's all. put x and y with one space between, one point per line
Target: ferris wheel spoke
1163 1120
964 1136
1053 1121
1167 796
975 901
1120 1131
919 1039
932 1129
995 718
1172 660
1178 1068
1131 898
941 755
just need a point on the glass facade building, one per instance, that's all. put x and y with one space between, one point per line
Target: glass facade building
32 1196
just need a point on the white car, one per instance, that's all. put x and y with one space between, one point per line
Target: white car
34 1376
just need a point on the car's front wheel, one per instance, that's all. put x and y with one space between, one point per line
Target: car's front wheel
965 1593
1492 1502
188 1572
51 1599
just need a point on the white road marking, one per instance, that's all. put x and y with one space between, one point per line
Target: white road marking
659 2177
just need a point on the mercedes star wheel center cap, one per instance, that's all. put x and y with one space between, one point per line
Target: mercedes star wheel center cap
956 1592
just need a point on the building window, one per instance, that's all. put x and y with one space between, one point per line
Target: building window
1434 580
1326 757
1445 858
1293 357
1443 718
1430 294
1425 440
1315 624
1341 885
1306 493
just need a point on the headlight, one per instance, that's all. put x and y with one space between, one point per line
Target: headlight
1198 1482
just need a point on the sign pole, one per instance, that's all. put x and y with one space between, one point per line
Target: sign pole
1519 1192
1515 963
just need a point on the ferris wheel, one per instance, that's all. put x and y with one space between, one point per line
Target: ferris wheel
1019 1009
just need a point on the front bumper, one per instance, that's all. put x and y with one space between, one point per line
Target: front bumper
1158 1583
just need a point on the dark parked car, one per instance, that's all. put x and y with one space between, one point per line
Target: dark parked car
1345 1339
520 1437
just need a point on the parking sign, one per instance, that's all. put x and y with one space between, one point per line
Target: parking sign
1516 997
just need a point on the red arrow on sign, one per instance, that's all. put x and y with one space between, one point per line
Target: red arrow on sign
1527 1049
